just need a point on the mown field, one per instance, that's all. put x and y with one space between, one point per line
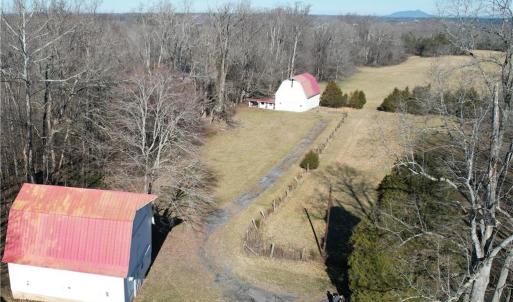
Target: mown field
361 154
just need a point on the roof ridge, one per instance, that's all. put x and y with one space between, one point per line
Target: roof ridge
80 216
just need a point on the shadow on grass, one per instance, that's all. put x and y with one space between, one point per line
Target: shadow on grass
338 247
159 232
350 188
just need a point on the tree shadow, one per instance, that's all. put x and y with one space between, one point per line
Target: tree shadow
159 232
338 247
352 186
351 189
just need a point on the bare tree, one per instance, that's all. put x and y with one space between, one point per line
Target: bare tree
474 149
155 126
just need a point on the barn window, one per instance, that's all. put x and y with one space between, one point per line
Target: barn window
69 287
106 294
28 283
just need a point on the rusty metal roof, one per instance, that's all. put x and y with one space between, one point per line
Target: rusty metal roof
84 230
309 83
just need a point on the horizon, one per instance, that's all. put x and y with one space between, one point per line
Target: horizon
323 7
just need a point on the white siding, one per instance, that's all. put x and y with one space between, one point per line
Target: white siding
47 284
291 97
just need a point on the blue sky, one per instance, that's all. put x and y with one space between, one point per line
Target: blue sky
368 7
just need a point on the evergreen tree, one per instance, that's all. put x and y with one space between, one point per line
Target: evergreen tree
357 99
332 96
310 161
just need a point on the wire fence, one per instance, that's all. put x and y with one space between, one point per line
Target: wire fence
254 241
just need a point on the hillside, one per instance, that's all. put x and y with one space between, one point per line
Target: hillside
410 14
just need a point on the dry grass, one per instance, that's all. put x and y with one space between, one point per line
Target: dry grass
363 151
364 148
241 155
178 274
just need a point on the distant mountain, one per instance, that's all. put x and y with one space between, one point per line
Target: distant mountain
410 14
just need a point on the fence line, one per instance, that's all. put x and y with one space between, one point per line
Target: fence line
254 241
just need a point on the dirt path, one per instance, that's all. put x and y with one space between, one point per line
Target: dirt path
233 288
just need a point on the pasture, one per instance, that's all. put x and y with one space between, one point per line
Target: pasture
361 154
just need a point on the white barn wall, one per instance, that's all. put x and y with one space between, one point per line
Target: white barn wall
291 97
48 284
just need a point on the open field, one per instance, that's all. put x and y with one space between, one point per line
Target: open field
239 156
362 153
355 162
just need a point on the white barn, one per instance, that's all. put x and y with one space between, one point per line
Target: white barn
298 94
73 244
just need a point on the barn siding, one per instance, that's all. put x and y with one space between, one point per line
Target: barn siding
291 97
140 251
47 284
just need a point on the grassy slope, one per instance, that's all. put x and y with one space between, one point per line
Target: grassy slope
238 156
241 155
364 149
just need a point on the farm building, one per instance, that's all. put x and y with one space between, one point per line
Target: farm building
73 244
299 93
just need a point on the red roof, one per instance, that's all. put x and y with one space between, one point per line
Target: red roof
75 229
309 84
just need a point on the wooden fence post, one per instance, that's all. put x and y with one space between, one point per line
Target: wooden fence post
272 250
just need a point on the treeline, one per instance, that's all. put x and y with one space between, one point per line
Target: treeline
334 98
398 250
421 100
64 67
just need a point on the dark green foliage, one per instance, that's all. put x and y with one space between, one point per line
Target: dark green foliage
357 99
394 101
435 45
372 274
310 161
332 96
384 267
466 101
413 102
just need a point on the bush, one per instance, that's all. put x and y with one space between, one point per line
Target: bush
420 101
435 45
332 96
310 161
357 99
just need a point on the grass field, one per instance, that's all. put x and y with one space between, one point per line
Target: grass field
239 156
361 154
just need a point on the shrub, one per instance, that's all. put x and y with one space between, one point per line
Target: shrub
310 161
420 101
393 101
357 99
332 96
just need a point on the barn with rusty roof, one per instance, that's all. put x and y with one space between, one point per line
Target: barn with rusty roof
299 93
74 244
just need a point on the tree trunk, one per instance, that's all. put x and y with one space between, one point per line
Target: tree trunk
293 59
481 283
501 284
